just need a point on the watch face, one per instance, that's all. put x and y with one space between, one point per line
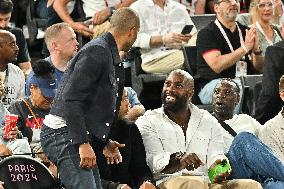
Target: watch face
179 155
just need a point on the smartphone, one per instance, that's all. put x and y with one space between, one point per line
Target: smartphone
88 21
186 29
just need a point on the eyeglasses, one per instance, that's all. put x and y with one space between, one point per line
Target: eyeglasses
229 1
263 5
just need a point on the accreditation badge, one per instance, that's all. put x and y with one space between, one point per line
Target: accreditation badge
241 68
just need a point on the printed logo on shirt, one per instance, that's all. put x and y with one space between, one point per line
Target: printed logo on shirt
31 122
8 91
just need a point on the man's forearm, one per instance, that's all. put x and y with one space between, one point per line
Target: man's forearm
125 3
223 62
156 41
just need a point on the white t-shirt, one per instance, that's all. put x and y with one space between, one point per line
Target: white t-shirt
14 85
240 123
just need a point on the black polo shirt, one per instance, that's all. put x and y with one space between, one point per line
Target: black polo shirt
209 39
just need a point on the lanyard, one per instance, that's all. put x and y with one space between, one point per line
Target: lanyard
226 37
262 32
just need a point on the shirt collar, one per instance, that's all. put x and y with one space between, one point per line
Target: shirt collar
113 48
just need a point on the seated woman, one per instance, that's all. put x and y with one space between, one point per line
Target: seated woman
32 110
262 15
133 172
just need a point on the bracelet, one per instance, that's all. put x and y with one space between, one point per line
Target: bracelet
245 49
258 52
111 10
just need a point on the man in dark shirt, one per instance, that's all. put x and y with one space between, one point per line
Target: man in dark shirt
23 58
223 49
269 103
86 105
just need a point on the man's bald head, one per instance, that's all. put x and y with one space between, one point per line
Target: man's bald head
6 35
8 47
124 19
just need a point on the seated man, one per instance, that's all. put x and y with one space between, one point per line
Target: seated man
160 38
23 58
133 172
246 146
136 108
13 76
225 98
269 103
180 137
223 49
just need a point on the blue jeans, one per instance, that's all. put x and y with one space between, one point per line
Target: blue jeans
206 93
250 158
65 155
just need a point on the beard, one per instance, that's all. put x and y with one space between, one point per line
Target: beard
176 105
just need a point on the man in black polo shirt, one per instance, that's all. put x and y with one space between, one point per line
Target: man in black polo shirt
223 49
23 58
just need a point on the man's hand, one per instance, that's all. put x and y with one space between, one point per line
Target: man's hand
87 156
1 185
174 40
191 161
250 38
101 16
82 29
111 152
4 150
221 177
125 186
147 185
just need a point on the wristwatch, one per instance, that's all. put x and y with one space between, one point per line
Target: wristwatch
178 155
112 10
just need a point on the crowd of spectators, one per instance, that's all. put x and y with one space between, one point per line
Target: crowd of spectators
175 145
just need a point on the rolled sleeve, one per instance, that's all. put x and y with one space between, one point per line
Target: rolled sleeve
143 41
157 158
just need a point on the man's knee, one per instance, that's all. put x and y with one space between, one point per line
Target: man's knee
244 184
244 137
184 182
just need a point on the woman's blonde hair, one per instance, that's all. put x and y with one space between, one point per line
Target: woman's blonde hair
253 12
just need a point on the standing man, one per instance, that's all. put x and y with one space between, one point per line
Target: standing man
86 106
23 58
223 49
13 76
179 137
62 44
